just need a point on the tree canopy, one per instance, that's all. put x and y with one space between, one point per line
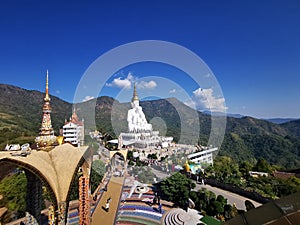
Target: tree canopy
177 188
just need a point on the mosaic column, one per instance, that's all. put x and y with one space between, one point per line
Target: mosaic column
51 215
62 214
84 201
30 220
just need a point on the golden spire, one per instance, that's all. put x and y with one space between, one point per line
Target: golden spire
47 98
134 97
46 139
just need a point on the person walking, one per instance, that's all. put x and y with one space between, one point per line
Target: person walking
105 187
154 200
107 206
160 208
158 199
95 197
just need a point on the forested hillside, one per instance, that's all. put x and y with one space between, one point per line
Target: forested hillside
246 138
21 114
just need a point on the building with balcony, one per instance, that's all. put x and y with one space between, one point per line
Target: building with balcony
73 130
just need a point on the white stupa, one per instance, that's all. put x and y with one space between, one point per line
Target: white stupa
140 133
136 118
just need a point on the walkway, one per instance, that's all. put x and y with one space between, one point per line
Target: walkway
114 189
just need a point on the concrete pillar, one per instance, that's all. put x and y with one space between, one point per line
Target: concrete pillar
34 196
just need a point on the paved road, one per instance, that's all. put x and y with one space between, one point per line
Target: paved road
231 197
160 175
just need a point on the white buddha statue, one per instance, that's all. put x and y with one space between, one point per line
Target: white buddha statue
136 118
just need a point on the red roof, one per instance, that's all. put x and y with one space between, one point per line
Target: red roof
74 119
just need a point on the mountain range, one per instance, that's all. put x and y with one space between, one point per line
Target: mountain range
246 138
280 120
273 120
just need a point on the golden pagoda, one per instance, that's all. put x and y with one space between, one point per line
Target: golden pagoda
134 97
46 139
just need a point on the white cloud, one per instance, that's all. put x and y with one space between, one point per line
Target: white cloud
122 83
57 92
203 99
130 76
87 98
118 82
147 85
172 91
125 83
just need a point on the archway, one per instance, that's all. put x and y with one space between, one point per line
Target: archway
122 152
55 172
118 162
34 188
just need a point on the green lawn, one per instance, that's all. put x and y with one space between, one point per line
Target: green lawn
210 220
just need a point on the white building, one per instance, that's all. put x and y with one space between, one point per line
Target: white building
73 130
203 156
146 141
140 132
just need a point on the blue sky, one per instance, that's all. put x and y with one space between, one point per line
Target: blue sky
252 48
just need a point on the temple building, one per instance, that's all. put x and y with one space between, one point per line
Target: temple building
143 138
73 130
203 155
140 133
46 139
136 119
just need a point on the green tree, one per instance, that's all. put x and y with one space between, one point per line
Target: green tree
227 212
215 206
144 174
98 171
226 170
13 190
176 189
263 166
287 187
245 167
99 167
222 199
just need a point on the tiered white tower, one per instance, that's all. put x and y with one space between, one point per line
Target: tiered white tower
140 132
136 118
